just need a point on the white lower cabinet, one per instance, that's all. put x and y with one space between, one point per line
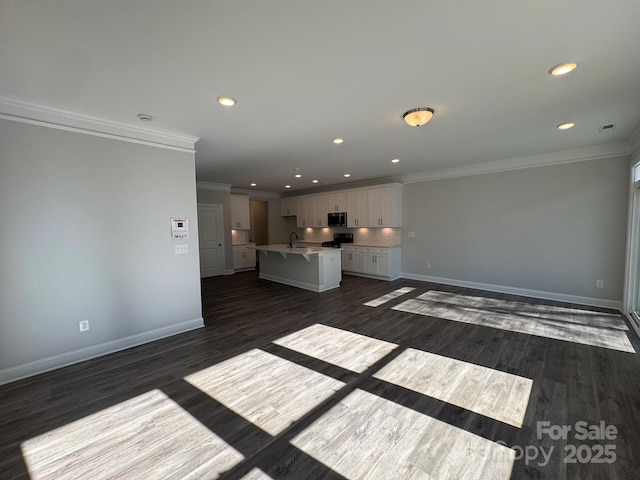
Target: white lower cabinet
244 257
352 259
376 262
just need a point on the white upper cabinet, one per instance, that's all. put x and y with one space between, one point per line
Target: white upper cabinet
384 206
320 209
304 214
240 212
337 202
357 209
288 207
379 206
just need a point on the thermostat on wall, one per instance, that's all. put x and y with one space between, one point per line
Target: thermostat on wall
180 228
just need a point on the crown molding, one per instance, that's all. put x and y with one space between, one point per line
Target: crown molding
214 187
634 141
255 194
336 187
557 158
27 112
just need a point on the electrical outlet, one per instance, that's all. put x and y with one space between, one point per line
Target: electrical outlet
428 265
84 325
182 248
599 283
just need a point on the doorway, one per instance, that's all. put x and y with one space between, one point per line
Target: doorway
259 225
259 232
211 233
631 304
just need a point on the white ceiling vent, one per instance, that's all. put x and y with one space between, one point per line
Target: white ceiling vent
609 127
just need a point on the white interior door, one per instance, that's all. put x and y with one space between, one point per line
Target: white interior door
211 233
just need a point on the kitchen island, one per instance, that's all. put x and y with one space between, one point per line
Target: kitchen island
313 268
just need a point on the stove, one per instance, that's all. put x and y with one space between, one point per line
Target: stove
338 240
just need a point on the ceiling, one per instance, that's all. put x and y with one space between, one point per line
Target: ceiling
306 72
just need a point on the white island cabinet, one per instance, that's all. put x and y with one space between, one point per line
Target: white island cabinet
313 268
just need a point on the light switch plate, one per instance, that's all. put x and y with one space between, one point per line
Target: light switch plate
182 248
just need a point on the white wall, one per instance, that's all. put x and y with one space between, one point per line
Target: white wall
550 229
85 235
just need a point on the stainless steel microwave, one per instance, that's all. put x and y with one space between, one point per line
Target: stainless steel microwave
337 219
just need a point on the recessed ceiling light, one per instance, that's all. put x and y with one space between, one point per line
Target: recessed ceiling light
287 186
338 140
314 181
347 175
253 184
298 175
395 160
226 101
145 117
566 126
563 68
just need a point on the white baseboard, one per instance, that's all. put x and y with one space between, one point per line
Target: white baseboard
228 271
560 297
634 323
69 358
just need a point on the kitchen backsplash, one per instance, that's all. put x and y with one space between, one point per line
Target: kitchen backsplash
373 236
239 236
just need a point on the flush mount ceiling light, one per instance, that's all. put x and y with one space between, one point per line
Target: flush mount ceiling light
395 160
226 101
566 126
337 140
418 116
145 117
563 68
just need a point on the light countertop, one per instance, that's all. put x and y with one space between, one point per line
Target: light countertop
377 245
283 248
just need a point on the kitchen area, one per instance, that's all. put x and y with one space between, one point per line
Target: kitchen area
309 241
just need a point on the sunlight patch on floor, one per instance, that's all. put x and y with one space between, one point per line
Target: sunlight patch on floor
366 436
345 349
492 393
149 436
571 325
264 389
529 310
388 297
256 474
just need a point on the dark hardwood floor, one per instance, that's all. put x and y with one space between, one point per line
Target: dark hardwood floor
571 382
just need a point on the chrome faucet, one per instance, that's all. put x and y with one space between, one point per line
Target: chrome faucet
291 238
